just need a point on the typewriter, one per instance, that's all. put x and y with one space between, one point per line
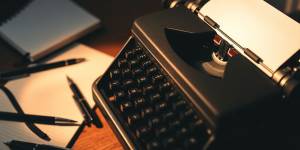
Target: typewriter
206 75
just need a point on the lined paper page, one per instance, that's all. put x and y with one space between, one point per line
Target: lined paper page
48 93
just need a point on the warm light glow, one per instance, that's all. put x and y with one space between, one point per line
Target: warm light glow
48 93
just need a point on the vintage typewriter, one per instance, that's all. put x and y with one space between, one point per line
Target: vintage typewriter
206 75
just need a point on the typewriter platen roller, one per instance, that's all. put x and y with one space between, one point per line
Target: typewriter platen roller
177 84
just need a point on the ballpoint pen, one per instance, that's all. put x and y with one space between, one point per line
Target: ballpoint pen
21 145
87 112
49 120
37 131
25 71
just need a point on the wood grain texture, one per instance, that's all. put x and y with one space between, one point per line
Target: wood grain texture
97 139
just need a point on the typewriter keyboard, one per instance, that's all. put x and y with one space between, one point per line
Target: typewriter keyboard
149 105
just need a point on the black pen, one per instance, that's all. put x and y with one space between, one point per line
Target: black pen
21 145
49 120
25 71
87 112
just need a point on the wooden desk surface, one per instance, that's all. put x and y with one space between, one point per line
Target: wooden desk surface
117 17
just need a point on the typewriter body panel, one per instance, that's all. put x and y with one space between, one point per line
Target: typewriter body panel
240 108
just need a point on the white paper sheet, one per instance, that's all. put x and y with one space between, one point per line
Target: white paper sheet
256 25
48 93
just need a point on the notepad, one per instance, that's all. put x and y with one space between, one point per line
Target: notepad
48 93
44 26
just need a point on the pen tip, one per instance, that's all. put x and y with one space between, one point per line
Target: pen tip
79 60
67 124
68 78
69 120
47 138
65 120
7 143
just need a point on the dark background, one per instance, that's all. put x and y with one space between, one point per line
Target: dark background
117 17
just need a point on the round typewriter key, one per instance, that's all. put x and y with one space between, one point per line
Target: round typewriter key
182 133
154 122
169 142
168 116
115 74
142 81
112 99
118 97
154 98
133 64
122 63
175 124
142 57
126 73
179 105
151 70
133 93
130 54
165 86
139 102
114 85
138 50
143 133
146 64
199 128
192 143
161 106
189 115
161 131
171 96
137 72
133 119
154 145
148 89
126 107
147 112
129 83
157 78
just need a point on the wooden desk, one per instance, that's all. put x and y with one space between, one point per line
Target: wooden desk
117 17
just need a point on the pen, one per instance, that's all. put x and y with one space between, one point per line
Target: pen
9 116
88 114
29 124
21 145
21 72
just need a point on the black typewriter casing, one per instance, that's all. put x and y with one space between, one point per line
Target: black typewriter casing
243 110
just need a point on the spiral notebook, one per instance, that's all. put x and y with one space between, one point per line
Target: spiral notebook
43 26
